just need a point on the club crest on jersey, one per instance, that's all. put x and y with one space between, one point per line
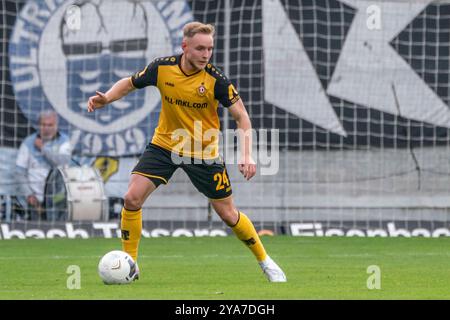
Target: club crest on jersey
62 72
201 91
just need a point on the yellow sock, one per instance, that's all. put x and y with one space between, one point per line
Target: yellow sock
131 227
245 231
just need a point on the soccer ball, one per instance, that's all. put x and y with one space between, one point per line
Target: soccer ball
117 267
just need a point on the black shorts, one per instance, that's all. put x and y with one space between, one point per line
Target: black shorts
210 177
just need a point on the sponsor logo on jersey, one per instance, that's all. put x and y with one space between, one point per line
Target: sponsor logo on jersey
201 90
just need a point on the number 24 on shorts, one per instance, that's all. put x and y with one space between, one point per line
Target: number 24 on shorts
222 180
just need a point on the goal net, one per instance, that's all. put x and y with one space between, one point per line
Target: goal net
351 98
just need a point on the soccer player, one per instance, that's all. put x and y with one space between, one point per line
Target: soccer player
191 89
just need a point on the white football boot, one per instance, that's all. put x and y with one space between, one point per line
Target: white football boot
272 271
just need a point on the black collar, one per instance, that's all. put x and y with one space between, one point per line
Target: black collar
181 69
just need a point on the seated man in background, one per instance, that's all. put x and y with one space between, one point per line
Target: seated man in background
39 153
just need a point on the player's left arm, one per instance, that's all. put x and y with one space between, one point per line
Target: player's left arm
247 165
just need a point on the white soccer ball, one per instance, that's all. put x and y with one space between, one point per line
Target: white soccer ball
117 267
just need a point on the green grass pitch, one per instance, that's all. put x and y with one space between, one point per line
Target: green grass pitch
223 268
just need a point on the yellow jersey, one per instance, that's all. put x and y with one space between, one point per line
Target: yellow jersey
188 123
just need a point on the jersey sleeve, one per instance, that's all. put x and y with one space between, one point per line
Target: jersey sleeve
225 92
146 77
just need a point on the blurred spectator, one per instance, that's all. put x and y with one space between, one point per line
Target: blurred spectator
39 153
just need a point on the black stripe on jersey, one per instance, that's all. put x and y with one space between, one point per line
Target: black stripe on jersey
149 76
215 72
167 61
227 96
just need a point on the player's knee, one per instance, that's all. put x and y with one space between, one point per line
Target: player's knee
132 202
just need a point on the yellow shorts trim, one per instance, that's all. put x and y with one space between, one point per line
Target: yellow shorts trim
149 176
131 81
220 198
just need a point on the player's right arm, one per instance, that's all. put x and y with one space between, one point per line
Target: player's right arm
120 89
146 77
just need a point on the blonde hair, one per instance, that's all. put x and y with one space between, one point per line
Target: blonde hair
192 28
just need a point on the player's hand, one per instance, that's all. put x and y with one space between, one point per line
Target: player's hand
97 101
247 167
38 143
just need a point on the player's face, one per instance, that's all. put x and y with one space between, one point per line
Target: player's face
48 127
198 50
